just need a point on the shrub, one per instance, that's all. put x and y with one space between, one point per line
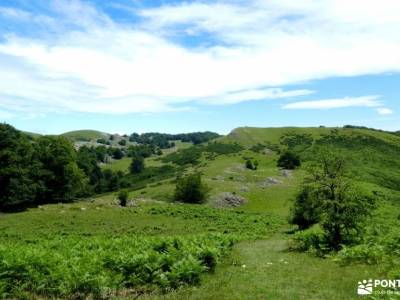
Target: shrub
137 164
312 239
190 189
123 197
249 164
289 160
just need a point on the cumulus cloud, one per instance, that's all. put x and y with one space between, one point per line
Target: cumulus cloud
91 63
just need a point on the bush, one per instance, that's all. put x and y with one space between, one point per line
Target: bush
289 161
137 165
190 189
123 197
312 239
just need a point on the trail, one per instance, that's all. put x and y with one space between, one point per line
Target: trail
265 269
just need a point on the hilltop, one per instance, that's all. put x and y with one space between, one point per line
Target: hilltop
85 135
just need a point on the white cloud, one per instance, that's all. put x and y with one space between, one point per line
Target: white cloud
98 65
384 111
367 101
259 94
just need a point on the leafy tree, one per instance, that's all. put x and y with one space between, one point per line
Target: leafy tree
289 160
122 142
101 141
137 164
191 189
60 177
117 153
330 198
123 197
18 168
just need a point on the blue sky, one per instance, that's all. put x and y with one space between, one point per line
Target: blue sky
179 66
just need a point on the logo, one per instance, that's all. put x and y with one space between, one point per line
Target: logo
379 287
365 287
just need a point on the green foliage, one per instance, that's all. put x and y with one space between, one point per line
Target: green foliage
328 196
162 140
137 165
223 148
95 267
312 239
184 156
296 141
289 160
18 169
251 164
84 135
122 142
141 150
117 153
60 177
258 147
306 210
191 189
101 141
123 197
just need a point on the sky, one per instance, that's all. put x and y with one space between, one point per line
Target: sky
181 66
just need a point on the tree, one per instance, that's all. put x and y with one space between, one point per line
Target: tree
330 198
122 142
191 189
249 164
137 164
123 197
289 160
117 153
18 169
59 176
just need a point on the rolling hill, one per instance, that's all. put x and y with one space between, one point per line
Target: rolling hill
85 135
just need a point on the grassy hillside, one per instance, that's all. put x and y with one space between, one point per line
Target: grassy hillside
164 250
85 135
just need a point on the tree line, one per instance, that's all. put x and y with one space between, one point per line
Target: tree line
48 169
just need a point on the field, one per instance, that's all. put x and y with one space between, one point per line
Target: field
158 249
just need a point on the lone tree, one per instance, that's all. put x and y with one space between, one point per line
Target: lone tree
289 160
249 164
137 164
330 199
123 197
191 189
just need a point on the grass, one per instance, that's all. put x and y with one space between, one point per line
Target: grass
153 161
264 269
